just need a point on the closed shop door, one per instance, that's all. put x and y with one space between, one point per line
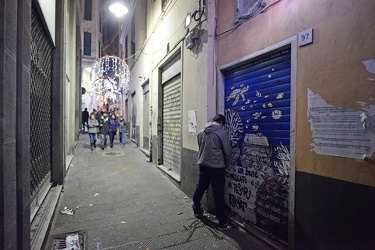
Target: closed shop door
127 116
172 124
40 105
146 120
257 108
133 117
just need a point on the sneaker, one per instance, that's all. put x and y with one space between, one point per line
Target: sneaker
199 214
92 148
102 148
122 145
228 226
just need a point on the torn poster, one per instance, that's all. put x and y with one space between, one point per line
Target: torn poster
192 121
339 131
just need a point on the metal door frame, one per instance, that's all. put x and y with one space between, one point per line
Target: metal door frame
177 52
292 42
146 91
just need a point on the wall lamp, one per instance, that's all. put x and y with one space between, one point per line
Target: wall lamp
141 77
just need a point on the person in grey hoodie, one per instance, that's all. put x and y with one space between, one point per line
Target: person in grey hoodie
214 155
121 125
92 125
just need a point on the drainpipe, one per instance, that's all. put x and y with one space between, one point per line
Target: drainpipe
211 60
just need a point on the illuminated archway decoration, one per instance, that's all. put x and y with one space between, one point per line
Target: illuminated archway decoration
112 76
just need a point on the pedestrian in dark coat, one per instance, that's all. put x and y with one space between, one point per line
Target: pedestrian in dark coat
98 116
104 130
112 128
85 119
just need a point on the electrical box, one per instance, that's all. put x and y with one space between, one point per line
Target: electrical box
189 41
195 33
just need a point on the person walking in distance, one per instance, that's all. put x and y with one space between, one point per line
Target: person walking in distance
112 128
85 119
104 130
92 125
214 155
122 129
98 116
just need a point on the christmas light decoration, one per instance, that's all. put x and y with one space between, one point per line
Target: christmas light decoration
112 76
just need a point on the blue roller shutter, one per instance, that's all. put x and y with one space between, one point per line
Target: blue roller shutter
257 108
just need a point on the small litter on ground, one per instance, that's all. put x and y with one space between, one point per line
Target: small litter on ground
67 211
72 242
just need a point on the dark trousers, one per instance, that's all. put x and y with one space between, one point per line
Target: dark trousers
215 177
103 141
112 137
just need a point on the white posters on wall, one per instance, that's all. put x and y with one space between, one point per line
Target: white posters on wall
340 131
192 121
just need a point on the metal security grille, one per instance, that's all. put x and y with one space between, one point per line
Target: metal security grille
146 120
172 124
40 103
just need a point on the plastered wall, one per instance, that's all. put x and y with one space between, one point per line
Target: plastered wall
333 67
168 29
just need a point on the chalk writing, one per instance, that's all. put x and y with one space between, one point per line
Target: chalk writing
268 215
252 173
237 202
274 208
242 191
236 177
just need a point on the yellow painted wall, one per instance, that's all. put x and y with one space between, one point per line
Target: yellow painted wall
344 36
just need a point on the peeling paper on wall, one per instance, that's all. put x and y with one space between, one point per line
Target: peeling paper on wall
192 121
370 65
340 131
368 117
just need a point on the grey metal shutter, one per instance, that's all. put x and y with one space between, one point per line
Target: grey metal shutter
146 120
133 116
172 124
257 108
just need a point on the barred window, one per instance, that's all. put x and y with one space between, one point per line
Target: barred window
88 9
87 44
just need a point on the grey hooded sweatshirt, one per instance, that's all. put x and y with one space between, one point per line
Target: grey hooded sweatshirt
215 150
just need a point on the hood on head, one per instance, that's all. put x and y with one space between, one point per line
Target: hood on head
211 127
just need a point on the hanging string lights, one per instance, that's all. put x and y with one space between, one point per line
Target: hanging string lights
112 76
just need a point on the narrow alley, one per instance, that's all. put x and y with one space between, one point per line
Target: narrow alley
293 83
121 201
